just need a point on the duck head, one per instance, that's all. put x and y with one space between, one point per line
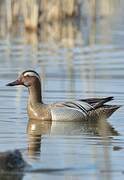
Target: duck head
27 78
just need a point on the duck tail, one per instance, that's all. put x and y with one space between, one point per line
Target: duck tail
113 108
108 110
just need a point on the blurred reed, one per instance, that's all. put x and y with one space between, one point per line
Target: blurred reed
58 19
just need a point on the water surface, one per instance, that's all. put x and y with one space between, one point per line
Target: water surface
86 61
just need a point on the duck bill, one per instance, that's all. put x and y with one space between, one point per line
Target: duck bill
14 83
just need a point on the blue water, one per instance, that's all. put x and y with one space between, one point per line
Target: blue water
89 62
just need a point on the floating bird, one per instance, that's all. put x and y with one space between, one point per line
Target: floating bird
75 110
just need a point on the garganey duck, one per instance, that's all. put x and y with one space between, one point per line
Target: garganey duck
92 108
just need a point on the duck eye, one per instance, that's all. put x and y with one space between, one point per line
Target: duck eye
26 76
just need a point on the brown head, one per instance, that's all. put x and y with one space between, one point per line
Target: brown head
27 78
31 80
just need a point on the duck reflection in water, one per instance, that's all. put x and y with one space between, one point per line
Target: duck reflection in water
37 129
12 164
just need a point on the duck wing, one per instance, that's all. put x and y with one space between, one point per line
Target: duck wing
97 102
83 109
70 110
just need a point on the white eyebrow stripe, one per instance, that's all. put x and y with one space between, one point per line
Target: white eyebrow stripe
31 74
